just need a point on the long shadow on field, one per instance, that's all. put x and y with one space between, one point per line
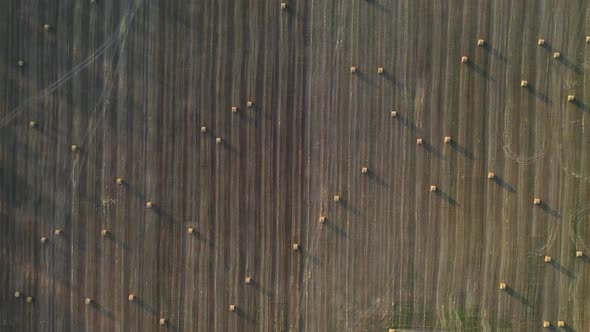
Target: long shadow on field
562 269
547 46
344 203
377 179
495 52
516 295
161 214
359 75
134 190
428 147
292 12
308 256
581 105
566 328
256 285
565 61
408 122
335 228
480 70
103 310
389 76
562 58
550 210
244 316
145 307
200 237
118 242
68 237
461 149
543 97
446 197
246 115
169 326
224 145
378 5
499 181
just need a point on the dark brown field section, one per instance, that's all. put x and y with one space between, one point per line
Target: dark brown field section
265 185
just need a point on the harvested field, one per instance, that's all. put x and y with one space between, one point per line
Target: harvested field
166 164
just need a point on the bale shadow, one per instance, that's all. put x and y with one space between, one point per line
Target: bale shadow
246 115
102 310
200 237
543 97
225 145
461 149
581 105
257 286
430 149
66 236
345 204
499 181
480 70
549 210
168 325
137 192
249 115
144 306
359 74
308 256
562 269
244 316
567 328
495 52
378 5
48 134
376 178
547 46
446 197
157 210
288 10
118 242
389 77
335 228
566 62
407 122
517 296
